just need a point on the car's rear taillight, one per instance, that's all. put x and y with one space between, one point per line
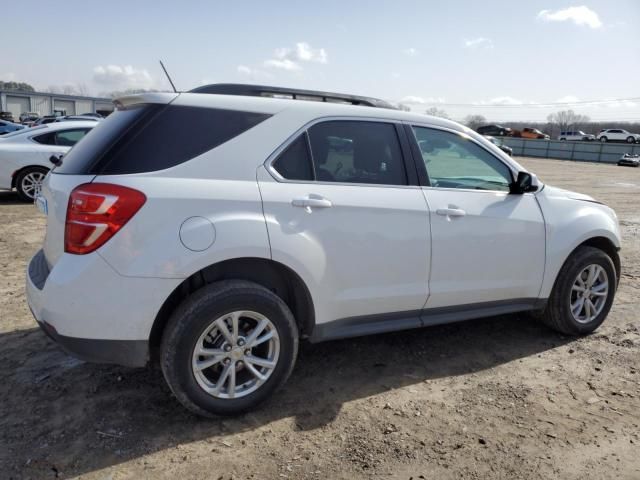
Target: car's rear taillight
96 212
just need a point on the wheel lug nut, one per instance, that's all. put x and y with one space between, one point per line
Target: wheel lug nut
240 342
227 361
247 352
227 348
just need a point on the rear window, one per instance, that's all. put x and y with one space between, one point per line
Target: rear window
146 138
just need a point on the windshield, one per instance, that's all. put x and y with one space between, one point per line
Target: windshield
24 131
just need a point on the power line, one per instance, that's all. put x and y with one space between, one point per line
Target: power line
525 105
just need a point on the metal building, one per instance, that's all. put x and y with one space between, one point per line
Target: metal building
18 102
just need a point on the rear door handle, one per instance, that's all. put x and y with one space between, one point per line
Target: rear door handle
451 212
311 201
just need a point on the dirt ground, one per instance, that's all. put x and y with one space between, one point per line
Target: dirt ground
497 398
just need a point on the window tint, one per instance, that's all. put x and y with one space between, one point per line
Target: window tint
453 161
46 139
357 152
154 137
68 138
294 163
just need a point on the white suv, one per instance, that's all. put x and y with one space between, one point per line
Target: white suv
213 230
618 135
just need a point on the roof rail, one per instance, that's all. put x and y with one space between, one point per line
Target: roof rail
292 93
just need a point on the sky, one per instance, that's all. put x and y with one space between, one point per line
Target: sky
501 59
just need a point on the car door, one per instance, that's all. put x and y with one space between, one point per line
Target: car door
344 211
488 246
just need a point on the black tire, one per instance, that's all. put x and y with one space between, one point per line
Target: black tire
563 139
631 140
557 313
603 139
190 320
25 194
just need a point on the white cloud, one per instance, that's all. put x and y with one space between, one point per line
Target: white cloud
7 77
412 99
253 73
500 101
411 52
291 58
480 42
117 77
284 64
614 103
568 99
395 75
579 15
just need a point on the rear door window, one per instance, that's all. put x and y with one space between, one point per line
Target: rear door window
357 152
147 138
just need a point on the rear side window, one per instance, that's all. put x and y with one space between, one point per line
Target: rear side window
295 163
154 137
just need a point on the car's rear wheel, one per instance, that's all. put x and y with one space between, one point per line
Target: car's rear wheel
603 139
583 292
228 347
29 181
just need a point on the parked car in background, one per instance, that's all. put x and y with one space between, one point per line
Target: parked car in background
25 154
44 120
618 135
26 117
628 160
576 135
8 127
212 232
531 133
97 115
498 143
496 130
82 118
6 116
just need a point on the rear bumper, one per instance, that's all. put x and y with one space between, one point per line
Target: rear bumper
130 353
91 311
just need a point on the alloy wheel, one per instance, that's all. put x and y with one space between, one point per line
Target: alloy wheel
236 354
31 183
589 293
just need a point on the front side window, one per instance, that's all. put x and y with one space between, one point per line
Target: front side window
357 152
454 161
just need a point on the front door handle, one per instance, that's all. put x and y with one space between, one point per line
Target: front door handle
452 211
311 201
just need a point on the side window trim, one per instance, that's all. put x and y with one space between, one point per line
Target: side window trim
416 151
398 125
410 168
307 142
423 175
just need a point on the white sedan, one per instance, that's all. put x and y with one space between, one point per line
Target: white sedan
24 155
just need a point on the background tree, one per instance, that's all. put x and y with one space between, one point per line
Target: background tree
474 121
20 86
437 112
567 120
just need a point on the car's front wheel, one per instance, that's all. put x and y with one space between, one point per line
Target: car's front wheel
228 347
583 292
29 181
631 140
603 139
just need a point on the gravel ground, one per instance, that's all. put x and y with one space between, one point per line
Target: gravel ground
497 398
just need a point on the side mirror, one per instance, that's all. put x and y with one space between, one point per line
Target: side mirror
523 184
56 159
